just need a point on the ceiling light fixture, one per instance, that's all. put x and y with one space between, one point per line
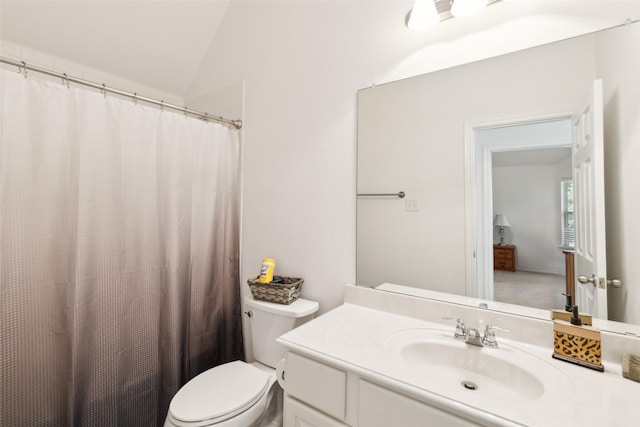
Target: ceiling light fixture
427 13
462 8
423 15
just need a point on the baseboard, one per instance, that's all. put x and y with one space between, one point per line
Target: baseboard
529 270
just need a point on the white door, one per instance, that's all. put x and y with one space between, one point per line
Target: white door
588 178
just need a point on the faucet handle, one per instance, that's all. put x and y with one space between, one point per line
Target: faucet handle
489 339
461 329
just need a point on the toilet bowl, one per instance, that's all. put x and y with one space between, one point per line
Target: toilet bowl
235 394
240 394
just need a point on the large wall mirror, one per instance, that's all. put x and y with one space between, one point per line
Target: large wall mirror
429 136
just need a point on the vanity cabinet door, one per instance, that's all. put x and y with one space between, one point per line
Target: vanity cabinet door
318 385
380 407
297 414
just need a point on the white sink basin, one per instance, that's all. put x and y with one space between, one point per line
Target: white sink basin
505 372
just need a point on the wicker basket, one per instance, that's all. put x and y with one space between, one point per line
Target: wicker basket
284 292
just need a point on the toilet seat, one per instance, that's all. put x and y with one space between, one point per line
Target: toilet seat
219 393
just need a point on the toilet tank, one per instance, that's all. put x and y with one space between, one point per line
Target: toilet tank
270 320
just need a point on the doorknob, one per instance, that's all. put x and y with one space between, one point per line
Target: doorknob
585 279
616 283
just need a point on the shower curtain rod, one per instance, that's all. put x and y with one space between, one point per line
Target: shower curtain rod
66 79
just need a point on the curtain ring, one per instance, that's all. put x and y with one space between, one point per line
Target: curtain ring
135 98
185 112
162 105
65 80
104 91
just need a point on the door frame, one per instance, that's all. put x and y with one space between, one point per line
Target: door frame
479 196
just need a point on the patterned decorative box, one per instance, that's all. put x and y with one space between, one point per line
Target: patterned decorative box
577 344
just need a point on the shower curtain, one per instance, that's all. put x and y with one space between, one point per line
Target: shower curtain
118 255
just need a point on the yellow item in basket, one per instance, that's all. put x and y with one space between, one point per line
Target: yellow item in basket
266 272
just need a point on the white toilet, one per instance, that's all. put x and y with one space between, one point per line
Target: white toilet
239 394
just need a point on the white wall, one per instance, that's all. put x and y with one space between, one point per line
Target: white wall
622 181
80 70
530 197
299 135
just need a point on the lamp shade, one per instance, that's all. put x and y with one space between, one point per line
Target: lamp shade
501 221
423 15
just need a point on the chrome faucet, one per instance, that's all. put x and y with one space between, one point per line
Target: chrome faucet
472 335
489 339
461 329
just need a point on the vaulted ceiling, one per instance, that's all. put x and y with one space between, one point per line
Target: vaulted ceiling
163 44
158 43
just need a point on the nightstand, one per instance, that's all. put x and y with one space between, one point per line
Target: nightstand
504 257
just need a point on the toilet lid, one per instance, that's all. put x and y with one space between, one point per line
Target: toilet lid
220 392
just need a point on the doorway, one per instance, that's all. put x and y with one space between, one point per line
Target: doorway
513 161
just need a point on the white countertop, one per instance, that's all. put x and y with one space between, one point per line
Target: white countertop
356 338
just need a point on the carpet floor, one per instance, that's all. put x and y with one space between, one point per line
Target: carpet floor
539 290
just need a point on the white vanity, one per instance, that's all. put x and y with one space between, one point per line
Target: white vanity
383 360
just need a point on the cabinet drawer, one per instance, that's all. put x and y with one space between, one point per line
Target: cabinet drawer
503 253
504 265
316 384
297 414
379 407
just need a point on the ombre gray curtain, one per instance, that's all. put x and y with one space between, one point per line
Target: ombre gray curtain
119 249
